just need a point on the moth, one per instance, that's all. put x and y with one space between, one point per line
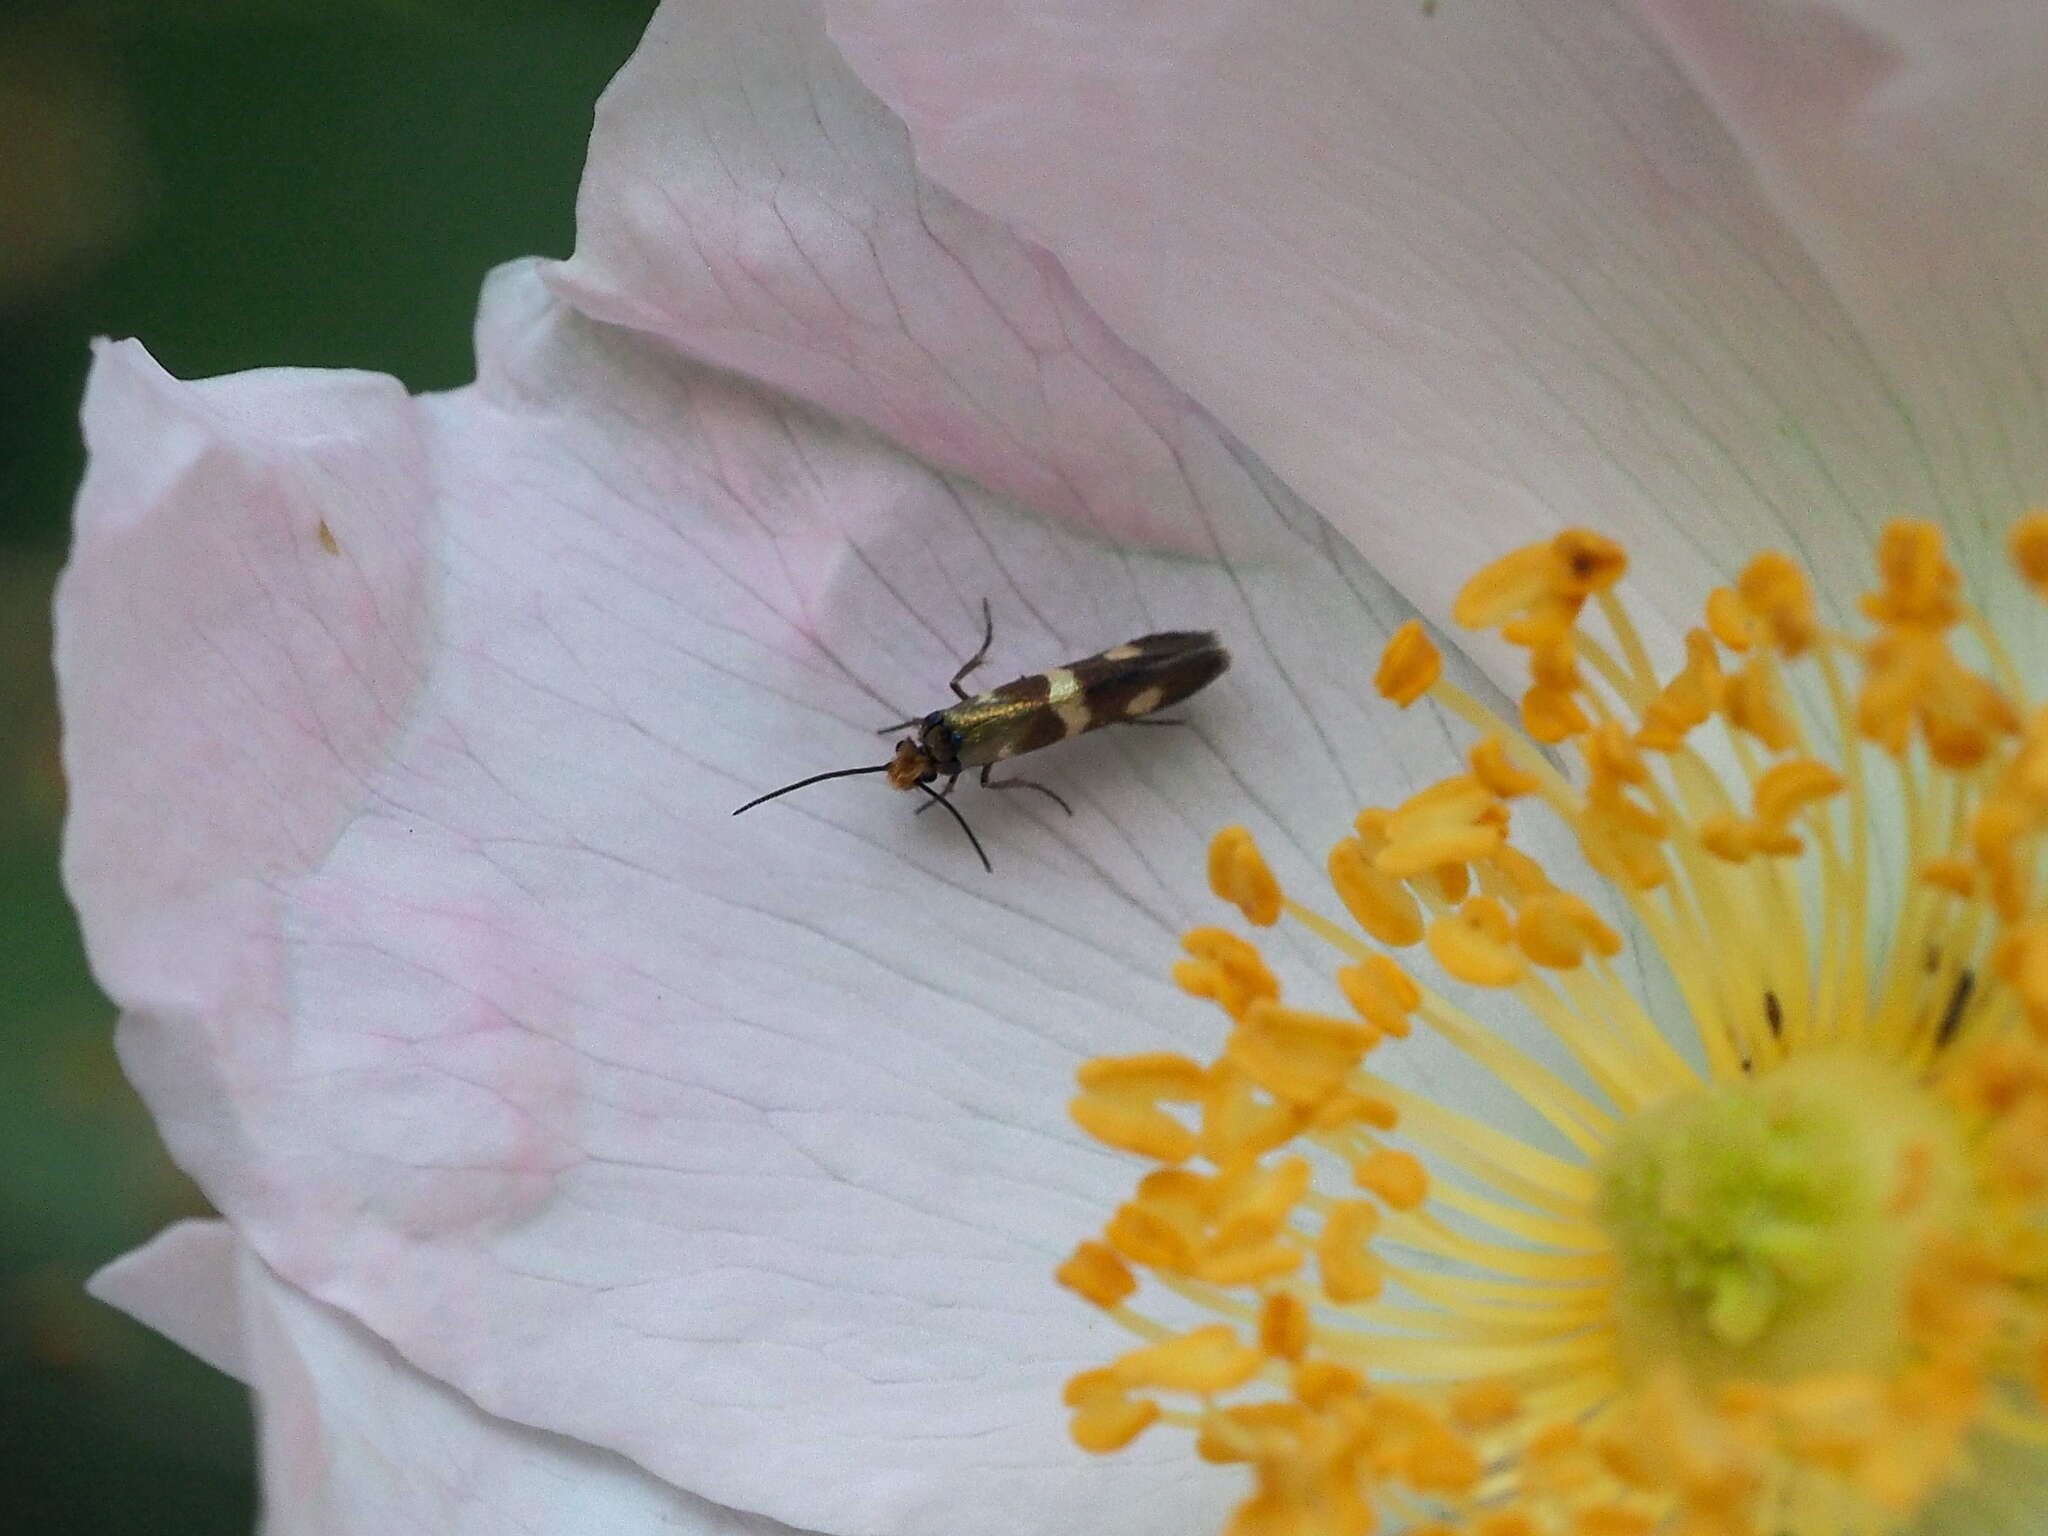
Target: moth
1123 685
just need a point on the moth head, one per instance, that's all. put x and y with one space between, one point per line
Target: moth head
911 766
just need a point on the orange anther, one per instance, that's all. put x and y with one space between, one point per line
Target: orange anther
1382 992
1917 584
1095 1272
1754 705
1377 902
1484 1404
1226 968
1206 1359
1556 928
1239 874
1119 1103
1729 619
1111 1423
1787 788
1492 767
1476 944
1284 1326
1349 1270
2029 547
1396 1177
1778 596
1409 666
1551 715
1497 591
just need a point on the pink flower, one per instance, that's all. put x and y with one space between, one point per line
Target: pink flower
590 1160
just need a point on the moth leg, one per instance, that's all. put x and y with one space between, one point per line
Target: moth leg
988 635
1154 720
989 783
937 795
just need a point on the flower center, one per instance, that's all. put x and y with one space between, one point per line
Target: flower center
1786 1275
1769 1228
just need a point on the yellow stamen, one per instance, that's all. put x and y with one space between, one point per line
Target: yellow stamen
1776 594
1475 944
1557 928
1201 1360
1095 1271
1284 1326
1119 1103
1382 992
1454 822
1728 619
2029 547
1396 1177
1492 767
1351 1271
1378 902
1689 700
1238 873
1106 1419
1409 666
1224 967
1789 1282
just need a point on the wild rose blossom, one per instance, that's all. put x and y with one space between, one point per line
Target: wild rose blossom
589 1160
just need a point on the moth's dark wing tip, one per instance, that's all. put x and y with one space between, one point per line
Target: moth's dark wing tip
1132 680
1183 662
1197 652
1207 648
1178 643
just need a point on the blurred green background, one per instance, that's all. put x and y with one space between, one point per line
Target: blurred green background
239 183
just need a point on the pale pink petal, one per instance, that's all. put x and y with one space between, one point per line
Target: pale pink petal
320 701
182 1283
736 1146
1461 273
355 1442
748 200
1906 146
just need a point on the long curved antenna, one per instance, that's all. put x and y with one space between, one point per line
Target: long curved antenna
816 778
954 811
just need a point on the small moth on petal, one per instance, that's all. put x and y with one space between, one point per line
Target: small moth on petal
1119 686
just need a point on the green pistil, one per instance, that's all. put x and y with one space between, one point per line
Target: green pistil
1759 1226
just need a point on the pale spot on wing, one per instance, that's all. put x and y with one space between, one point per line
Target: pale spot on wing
1143 703
1065 699
1125 652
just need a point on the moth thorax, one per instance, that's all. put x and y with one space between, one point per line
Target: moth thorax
911 765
